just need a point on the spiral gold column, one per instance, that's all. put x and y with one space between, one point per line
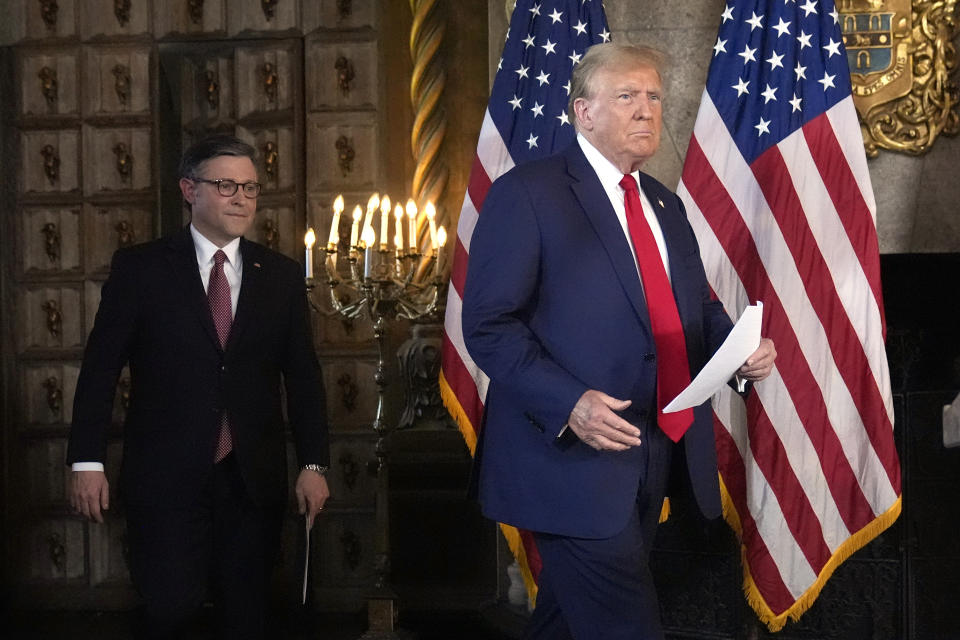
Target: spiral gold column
429 120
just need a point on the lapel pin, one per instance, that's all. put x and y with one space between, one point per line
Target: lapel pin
257 264
660 202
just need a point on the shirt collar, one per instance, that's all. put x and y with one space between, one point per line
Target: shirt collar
205 249
606 171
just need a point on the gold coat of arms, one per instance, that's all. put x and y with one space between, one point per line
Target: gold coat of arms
902 58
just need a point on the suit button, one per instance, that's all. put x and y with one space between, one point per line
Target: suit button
649 356
223 367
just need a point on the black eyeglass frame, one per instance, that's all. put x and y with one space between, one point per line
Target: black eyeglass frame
223 186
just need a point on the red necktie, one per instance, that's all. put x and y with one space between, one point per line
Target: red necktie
218 296
673 369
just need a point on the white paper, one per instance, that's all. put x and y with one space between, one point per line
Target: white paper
306 561
742 341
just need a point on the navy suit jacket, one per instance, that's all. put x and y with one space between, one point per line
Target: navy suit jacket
155 317
553 306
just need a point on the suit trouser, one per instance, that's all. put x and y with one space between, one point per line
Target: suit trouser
223 545
593 589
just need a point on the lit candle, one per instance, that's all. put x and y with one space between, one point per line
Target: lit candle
355 229
335 226
431 212
412 215
384 222
369 239
372 205
398 236
309 238
442 241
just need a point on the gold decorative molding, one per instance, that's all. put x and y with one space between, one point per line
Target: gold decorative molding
902 58
427 83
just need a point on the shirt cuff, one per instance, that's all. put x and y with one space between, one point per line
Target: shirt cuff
87 466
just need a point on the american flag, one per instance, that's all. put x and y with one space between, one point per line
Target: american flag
776 186
526 118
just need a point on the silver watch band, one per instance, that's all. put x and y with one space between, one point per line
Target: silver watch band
322 470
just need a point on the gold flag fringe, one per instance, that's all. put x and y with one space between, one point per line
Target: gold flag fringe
775 622
514 542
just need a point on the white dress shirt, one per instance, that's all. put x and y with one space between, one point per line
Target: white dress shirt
232 269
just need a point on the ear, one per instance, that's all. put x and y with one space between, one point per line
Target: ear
581 109
189 190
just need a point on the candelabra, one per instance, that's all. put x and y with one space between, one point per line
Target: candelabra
387 285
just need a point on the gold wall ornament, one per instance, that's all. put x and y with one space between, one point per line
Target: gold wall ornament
57 550
270 80
901 58
126 236
270 159
271 234
51 241
54 318
48 86
54 395
48 13
121 83
345 154
124 161
51 163
427 83
269 9
344 9
345 74
211 88
195 9
348 392
121 9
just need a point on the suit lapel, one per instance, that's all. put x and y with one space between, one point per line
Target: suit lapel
250 284
596 205
183 258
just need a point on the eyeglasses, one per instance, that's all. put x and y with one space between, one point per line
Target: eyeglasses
227 187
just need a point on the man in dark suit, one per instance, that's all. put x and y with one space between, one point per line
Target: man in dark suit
215 329
587 305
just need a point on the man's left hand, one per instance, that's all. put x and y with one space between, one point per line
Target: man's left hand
760 363
312 493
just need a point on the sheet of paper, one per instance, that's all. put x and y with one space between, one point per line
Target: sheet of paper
743 340
306 560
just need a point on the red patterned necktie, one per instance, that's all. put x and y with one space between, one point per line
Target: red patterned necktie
218 296
673 369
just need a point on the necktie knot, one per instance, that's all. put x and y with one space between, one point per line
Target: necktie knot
219 258
628 183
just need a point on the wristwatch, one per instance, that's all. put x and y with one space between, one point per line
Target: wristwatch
317 468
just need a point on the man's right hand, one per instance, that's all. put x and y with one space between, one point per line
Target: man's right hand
90 494
594 421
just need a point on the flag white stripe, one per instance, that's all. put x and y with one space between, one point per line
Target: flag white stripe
493 154
454 330
843 121
468 220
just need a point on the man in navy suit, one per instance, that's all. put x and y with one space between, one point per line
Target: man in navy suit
561 311
216 331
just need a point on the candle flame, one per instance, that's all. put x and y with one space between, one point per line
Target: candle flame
398 211
373 202
441 236
430 210
309 238
385 204
357 213
338 204
369 237
411 208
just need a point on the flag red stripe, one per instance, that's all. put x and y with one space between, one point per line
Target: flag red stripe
773 177
461 383
763 568
533 554
728 226
458 272
848 200
479 183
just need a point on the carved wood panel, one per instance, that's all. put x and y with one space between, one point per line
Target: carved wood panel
207 90
264 77
342 153
48 82
48 479
50 161
341 74
345 542
49 240
46 391
188 16
109 550
116 159
276 157
350 477
118 80
41 19
276 227
53 550
262 15
112 227
114 18
351 393
50 317
339 14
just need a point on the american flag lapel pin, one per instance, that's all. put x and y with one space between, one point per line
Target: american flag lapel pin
257 264
660 202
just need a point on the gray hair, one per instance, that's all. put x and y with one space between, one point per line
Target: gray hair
610 55
211 147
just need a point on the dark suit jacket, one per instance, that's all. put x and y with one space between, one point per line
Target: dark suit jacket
553 306
154 315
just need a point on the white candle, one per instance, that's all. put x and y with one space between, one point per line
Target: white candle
335 226
412 215
309 239
398 236
369 239
355 229
384 222
441 241
431 212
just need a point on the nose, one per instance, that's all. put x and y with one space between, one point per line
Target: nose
644 108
